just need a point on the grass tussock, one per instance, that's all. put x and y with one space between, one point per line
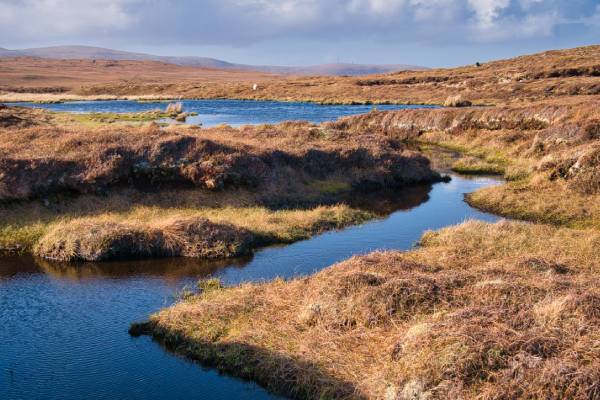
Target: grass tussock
207 233
82 240
505 310
57 155
540 201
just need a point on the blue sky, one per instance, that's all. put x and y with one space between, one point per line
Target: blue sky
302 32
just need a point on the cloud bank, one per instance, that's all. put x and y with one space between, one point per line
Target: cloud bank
244 22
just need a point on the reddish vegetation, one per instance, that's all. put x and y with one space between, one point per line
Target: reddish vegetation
558 139
35 75
553 74
481 311
280 159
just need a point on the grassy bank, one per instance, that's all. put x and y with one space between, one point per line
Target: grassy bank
478 311
506 310
154 231
43 154
549 152
542 202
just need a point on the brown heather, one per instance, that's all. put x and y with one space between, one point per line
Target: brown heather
478 311
90 176
553 74
40 155
487 311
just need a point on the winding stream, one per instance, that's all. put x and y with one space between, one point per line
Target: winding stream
64 329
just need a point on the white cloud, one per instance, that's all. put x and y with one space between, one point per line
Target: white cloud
487 11
377 7
239 22
64 17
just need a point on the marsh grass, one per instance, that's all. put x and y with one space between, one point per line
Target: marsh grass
454 318
156 231
540 201
95 120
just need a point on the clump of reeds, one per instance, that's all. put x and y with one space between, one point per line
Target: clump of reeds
174 108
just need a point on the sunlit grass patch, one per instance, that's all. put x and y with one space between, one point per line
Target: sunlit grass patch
452 318
155 231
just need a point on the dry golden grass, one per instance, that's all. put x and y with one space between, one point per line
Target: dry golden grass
44 153
550 151
98 240
543 202
553 74
486 311
158 231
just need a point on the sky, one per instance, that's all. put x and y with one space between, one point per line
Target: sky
305 32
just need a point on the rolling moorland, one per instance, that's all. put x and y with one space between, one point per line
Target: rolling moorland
119 191
491 311
97 53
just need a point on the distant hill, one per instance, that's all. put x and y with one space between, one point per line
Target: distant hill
98 53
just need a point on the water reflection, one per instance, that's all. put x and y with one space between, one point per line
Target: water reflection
11 265
174 269
64 327
167 268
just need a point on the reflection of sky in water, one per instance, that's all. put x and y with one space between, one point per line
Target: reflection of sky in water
232 112
64 327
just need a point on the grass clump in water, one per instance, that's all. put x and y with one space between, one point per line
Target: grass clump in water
155 231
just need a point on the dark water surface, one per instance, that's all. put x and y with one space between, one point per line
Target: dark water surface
63 329
232 112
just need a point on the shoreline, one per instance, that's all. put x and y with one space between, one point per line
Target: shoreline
59 99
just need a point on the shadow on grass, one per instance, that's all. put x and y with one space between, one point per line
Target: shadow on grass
291 377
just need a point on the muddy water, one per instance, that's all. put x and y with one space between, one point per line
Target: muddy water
63 329
232 112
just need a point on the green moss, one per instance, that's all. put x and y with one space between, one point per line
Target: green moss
209 285
21 238
329 186
99 119
480 167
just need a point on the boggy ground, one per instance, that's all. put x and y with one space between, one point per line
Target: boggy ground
548 151
496 311
477 311
488 311
40 156
77 189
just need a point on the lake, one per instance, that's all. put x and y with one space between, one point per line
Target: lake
232 112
